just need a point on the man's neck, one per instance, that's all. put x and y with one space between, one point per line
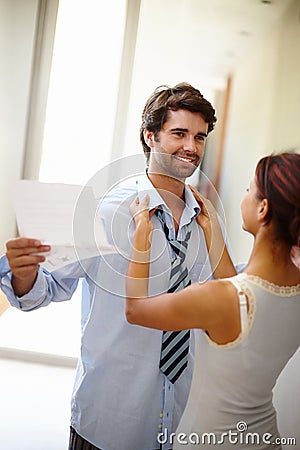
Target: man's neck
172 192
167 184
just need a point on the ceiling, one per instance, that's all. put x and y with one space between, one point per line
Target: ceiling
207 37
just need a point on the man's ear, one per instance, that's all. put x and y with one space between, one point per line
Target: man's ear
263 209
149 138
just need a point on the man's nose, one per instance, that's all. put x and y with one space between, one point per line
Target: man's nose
189 144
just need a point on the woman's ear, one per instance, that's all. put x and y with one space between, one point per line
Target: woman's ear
149 138
263 209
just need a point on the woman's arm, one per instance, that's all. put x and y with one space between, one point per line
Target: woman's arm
220 260
211 306
138 269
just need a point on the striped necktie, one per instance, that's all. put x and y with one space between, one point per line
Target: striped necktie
175 344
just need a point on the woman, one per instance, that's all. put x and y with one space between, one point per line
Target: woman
249 324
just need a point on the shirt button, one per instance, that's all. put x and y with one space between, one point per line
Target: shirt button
161 415
159 426
170 227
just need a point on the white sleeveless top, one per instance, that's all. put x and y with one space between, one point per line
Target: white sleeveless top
230 403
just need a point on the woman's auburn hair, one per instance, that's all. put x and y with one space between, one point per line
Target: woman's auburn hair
278 180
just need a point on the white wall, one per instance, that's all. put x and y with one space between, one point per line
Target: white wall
17 25
285 132
263 116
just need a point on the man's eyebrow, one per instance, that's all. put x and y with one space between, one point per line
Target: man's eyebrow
185 130
179 129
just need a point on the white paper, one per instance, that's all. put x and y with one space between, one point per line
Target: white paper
54 213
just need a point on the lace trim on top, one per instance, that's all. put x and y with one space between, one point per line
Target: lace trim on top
283 291
250 318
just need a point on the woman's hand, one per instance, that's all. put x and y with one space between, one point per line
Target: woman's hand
141 214
220 260
207 214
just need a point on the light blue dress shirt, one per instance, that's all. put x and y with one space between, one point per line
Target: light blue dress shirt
121 400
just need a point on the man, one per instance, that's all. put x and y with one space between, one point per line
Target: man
122 399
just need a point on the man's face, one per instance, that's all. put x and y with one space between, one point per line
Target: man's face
178 149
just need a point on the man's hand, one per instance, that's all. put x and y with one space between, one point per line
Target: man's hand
23 259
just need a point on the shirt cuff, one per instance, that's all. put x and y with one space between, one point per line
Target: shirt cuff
32 299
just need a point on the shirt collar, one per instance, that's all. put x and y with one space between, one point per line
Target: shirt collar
144 186
191 202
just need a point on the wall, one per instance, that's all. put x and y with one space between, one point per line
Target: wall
264 117
17 25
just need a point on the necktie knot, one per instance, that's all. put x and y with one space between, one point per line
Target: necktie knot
175 243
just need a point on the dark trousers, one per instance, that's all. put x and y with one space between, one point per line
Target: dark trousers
77 442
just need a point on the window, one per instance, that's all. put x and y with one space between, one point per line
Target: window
83 89
77 140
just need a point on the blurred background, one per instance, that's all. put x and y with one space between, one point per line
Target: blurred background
75 75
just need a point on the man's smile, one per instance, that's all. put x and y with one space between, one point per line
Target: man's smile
190 159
